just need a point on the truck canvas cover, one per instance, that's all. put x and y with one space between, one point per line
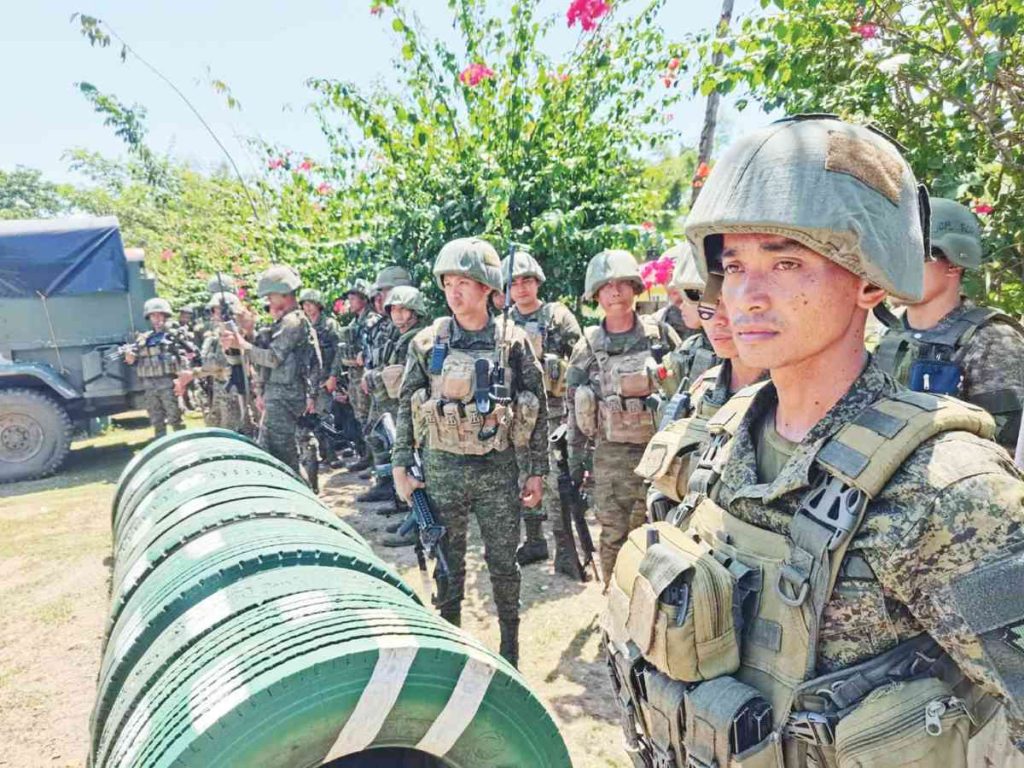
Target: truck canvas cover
61 257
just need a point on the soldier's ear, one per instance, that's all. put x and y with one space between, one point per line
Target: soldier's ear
869 295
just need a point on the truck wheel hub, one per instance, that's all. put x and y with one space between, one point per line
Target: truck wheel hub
21 437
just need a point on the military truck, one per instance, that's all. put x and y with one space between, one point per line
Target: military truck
69 297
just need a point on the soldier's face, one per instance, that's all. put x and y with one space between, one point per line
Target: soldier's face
719 333
280 303
184 318
403 317
617 297
158 320
691 319
788 304
356 302
312 310
215 312
524 290
464 294
940 278
675 296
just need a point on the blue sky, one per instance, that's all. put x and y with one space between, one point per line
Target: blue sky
264 50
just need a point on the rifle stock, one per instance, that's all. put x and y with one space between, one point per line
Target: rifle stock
574 520
433 537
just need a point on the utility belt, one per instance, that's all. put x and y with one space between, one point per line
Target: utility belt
617 418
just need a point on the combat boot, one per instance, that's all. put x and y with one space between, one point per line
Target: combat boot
398 540
366 474
535 548
509 649
384 490
565 557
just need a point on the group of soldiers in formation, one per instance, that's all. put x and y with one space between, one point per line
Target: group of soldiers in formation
813 551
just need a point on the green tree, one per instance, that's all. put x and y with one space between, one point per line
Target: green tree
944 77
24 194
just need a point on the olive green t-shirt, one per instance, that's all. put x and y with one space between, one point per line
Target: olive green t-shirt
772 449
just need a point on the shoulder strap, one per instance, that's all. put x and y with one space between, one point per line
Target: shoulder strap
731 414
867 451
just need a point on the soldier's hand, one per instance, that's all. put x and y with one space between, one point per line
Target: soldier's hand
331 384
405 483
359 359
232 340
533 491
129 358
363 386
310 405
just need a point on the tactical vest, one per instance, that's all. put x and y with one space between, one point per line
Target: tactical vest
297 361
456 414
537 326
623 408
159 355
387 380
694 358
712 623
930 361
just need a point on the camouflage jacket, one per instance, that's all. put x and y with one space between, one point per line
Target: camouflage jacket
695 356
556 323
394 351
291 361
937 552
991 359
354 338
328 336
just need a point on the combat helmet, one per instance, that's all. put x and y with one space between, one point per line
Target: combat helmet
685 276
842 190
956 233
278 279
524 266
221 281
233 302
156 305
408 297
470 257
611 265
392 277
360 286
313 295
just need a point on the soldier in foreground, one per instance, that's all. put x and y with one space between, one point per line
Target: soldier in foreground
158 356
868 538
946 344
553 332
449 407
290 383
328 336
616 380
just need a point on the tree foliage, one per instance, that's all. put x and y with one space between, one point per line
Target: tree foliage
944 77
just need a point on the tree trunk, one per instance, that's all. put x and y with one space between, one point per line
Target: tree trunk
707 134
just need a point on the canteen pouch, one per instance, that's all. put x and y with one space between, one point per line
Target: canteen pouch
392 376
670 456
940 377
729 725
585 409
680 611
915 724
457 378
524 419
626 420
555 370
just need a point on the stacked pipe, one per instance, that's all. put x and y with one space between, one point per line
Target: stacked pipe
249 626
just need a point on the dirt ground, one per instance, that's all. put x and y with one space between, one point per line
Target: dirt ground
55 558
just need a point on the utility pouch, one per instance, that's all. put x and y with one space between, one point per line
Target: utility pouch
437 355
555 370
392 376
420 416
633 384
663 715
729 724
916 724
626 420
585 407
680 611
669 457
941 377
524 418
457 383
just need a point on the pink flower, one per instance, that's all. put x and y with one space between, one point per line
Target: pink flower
166 254
242 293
475 74
983 209
376 10
673 64
305 166
702 171
323 188
275 163
668 81
866 31
339 306
647 226
586 12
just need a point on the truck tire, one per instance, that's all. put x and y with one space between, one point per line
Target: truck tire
35 434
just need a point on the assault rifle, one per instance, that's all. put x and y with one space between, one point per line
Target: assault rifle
433 538
574 521
239 378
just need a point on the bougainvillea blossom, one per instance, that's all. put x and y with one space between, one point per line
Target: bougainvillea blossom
586 12
475 74
305 166
376 10
274 163
323 188
339 306
983 209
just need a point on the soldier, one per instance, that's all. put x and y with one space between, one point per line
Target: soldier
290 385
681 311
468 456
553 332
328 336
159 354
380 341
696 355
614 379
868 537
946 344
349 363
226 405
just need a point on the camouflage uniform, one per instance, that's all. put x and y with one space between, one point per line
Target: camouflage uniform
889 537
328 336
694 357
476 479
618 492
289 380
159 358
355 340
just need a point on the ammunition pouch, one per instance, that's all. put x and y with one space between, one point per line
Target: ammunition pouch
555 370
669 456
585 410
626 419
391 376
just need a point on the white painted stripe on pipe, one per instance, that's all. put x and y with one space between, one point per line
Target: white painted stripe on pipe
397 654
461 708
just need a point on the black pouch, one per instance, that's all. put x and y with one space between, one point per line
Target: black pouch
941 377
